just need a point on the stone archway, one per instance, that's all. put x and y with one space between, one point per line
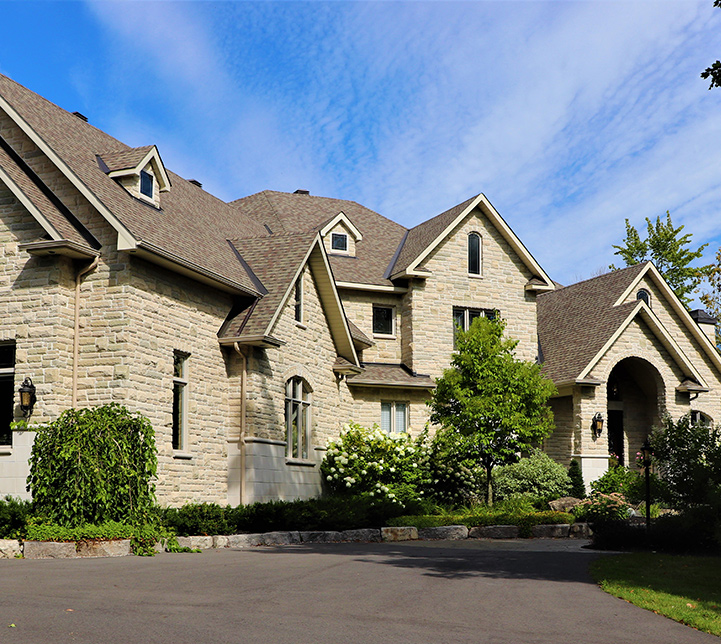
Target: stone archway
635 400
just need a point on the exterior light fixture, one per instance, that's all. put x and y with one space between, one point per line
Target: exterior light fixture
27 397
597 424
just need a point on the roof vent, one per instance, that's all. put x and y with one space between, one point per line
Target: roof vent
195 182
82 117
301 192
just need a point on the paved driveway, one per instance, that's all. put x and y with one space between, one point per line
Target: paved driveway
411 593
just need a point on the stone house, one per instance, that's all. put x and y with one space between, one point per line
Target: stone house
249 332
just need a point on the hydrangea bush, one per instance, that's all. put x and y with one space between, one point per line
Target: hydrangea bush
371 462
601 507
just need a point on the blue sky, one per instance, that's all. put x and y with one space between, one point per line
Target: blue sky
569 116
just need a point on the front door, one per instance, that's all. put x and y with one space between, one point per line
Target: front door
615 434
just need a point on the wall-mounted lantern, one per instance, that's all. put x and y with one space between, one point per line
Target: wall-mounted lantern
27 397
597 424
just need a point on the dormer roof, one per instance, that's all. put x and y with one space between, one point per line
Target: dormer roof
341 218
131 161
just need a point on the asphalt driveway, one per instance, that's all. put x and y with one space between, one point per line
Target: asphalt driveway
408 593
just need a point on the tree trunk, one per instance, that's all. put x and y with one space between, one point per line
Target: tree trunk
489 486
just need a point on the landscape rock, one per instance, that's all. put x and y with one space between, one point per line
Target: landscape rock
114 548
244 540
196 543
564 504
558 531
49 550
221 541
405 533
580 531
444 532
320 537
9 548
494 532
279 538
361 534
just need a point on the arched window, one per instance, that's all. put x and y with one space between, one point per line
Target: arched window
644 295
474 254
699 418
297 418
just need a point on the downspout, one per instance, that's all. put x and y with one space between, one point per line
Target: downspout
76 334
241 442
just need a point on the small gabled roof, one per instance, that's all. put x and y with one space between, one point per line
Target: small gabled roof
283 212
422 240
132 161
579 323
376 374
278 279
341 217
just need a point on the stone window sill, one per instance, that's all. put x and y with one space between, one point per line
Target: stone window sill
300 325
182 456
6 450
299 461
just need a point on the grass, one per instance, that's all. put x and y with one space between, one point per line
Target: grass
683 588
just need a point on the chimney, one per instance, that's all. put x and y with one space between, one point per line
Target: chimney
301 192
82 117
707 324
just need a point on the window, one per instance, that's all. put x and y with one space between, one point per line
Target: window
699 418
146 184
7 391
644 295
180 399
463 317
299 300
297 418
474 254
394 417
383 320
339 242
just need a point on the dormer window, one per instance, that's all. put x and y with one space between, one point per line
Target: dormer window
339 242
146 184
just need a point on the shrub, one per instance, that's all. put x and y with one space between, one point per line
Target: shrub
14 514
454 472
536 475
602 508
578 487
630 483
92 466
371 462
198 519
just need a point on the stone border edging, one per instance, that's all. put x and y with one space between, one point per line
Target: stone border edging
10 548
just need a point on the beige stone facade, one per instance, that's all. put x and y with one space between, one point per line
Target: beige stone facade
248 340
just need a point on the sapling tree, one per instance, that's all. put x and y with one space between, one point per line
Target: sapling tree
492 396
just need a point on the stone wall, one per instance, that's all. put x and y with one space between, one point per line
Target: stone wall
358 307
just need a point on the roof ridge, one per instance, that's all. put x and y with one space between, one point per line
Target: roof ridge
596 277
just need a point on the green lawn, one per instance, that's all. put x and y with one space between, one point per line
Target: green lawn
686 589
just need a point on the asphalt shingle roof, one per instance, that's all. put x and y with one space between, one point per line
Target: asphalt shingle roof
576 321
390 375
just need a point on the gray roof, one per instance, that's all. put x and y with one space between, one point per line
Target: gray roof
575 322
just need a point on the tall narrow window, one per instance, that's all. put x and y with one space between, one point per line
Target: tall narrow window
7 391
180 400
474 254
146 184
299 300
394 417
297 418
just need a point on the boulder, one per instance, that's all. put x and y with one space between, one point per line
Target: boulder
361 534
320 536
494 532
9 548
444 532
564 504
114 548
557 531
196 543
405 533
49 550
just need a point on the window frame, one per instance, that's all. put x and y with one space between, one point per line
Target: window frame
7 376
298 435
147 177
337 237
179 433
381 334
478 252
468 314
299 310
640 296
392 406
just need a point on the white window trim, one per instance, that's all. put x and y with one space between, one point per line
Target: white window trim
479 274
393 403
392 334
305 419
337 251
182 381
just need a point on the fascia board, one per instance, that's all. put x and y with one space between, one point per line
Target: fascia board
29 206
125 238
659 331
500 225
379 288
677 306
341 216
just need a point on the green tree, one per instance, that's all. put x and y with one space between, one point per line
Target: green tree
712 299
714 72
669 253
490 395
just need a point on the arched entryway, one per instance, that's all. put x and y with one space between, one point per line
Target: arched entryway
634 393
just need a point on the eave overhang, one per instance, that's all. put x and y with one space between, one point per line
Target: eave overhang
265 341
59 247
